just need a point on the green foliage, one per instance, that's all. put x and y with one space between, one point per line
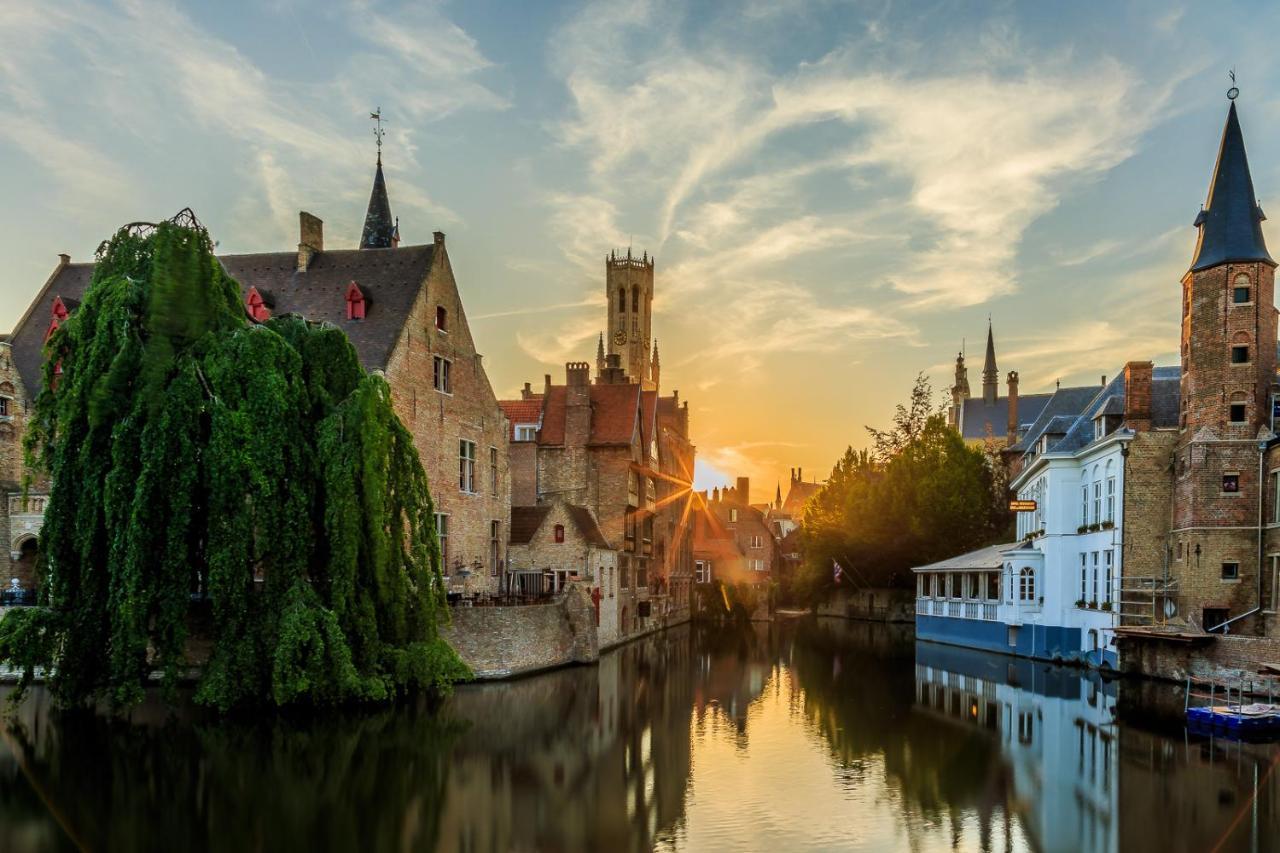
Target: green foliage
200 460
919 495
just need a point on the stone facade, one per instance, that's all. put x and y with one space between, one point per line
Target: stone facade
629 296
460 433
21 515
501 642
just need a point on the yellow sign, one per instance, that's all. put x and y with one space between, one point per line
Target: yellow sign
1022 506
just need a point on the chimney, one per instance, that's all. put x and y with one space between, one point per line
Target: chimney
1104 380
1013 407
577 404
310 239
744 491
526 392
800 474
1137 395
439 237
63 259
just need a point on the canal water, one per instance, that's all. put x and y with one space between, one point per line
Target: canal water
804 735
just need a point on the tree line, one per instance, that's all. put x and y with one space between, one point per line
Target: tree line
918 494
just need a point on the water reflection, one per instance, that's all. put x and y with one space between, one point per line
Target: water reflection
815 735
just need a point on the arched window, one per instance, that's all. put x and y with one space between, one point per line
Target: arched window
559 532
635 299
1240 293
1027 584
1240 348
622 300
442 318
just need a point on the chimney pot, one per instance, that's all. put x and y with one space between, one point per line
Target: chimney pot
439 237
64 259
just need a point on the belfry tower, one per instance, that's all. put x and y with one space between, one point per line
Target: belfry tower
1228 381
629 295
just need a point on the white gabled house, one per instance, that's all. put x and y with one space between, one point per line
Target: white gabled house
1055 593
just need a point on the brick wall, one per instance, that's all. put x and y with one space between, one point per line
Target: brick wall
1148 491
1220 659
439 421
16 528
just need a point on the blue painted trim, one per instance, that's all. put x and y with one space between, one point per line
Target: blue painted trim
1041 642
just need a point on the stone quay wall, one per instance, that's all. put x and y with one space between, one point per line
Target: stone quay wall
1224 659
878 605
502 642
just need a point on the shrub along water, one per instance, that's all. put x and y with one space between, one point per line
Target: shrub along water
197 457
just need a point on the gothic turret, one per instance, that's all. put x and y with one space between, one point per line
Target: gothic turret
1231 221
654 367
990 375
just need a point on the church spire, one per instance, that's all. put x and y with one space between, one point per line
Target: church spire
990 375
600 355
380 230
1231 221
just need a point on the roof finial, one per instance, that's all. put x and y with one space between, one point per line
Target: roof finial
376 115
1233 92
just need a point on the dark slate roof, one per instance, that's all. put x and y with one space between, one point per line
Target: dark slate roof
525 521
976 416
1064 401
586 524
379 228
389 278
1110 400
1231 222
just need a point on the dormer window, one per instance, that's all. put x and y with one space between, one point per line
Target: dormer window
256 306
356 302
59 312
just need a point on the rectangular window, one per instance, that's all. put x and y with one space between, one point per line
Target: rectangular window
442 533
441 378
1111 499
1275 497
1097 502
442 319
1240 354
626 572
4 407
1084 576
1230 483
733 515
1230 571
493 470
1240 295
1238 413
495 547
1110 564
757 541
1084 504
526 432
466 465
1095 577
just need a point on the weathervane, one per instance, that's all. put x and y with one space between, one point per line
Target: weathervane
1233 92
376 115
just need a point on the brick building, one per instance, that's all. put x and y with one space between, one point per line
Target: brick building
991 416
402 310
1228 393
733 541
617 452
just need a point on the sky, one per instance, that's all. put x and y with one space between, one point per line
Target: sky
837 194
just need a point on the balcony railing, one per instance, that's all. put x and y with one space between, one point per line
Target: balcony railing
968 609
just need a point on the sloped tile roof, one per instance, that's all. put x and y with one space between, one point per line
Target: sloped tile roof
978 420
587 526
389 278
520 412
525 521
614 413
983 558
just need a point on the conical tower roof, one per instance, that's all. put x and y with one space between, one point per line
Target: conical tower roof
1231 222
379 227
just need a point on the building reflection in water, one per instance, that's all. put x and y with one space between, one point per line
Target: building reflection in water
816 735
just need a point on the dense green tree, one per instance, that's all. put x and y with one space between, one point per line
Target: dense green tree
919 494
206 466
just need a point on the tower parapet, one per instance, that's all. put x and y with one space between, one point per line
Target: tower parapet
629 296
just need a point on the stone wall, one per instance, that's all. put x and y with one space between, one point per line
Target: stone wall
501 642
1224 658
880 605
1148 491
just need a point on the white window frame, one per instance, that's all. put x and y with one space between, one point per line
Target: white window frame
442 534
442 375
466 466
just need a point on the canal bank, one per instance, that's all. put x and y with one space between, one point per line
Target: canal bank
813 734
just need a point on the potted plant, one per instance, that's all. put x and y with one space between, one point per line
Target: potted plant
1093 605
1107 525
1080 602
1084 528
1106 606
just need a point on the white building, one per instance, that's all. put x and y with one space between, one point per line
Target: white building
1054 594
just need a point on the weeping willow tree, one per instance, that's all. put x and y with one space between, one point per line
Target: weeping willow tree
203 464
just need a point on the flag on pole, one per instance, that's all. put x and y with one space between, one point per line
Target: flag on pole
836 572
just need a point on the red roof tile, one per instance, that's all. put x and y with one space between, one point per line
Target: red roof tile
520 412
